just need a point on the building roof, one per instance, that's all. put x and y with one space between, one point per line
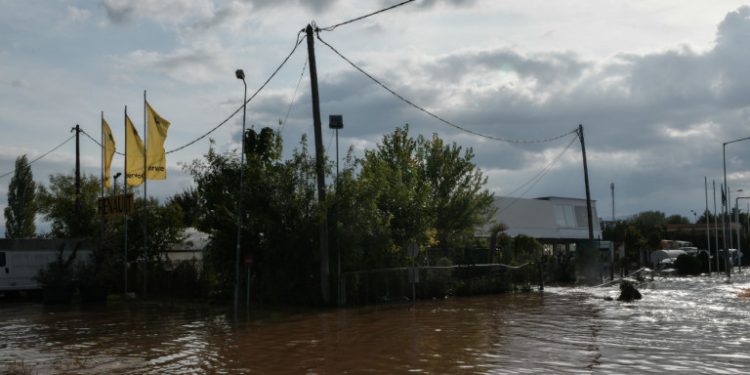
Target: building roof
193 240
550 218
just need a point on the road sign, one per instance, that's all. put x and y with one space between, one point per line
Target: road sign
116 205
248 259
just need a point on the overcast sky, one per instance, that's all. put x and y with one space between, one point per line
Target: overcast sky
658 85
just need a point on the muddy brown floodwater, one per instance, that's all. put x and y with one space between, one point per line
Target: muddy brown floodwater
682 325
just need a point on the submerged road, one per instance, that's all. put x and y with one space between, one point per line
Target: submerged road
682 325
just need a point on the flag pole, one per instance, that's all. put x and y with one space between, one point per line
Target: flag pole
125 189
145 197
103 151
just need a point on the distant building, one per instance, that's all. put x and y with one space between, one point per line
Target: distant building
548 219
191 247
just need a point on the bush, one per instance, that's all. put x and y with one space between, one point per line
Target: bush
687 265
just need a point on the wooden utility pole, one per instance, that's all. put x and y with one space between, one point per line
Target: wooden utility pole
319 168
77 208
586 181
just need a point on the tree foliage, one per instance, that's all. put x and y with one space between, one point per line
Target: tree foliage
21 210
409 191
57 204
404 191
279 222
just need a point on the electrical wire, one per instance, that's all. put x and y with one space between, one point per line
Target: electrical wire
536 178
98 143
273 74
41 156
333 27
296 44
449 123
294 96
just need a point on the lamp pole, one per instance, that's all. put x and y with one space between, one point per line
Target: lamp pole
726 189
336 122
125 254
240 75
739 226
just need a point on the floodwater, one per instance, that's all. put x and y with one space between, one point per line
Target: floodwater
682 325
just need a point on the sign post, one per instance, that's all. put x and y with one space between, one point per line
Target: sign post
248 262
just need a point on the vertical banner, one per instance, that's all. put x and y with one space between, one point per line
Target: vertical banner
134 154
108 151
157 134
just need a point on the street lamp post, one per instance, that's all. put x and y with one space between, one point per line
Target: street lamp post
240 75
125 246
739 226
726 189
336 122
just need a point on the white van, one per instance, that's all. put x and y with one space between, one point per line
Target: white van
19 267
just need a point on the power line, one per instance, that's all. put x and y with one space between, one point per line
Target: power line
41 156
294 96
297 43
331 28
97 142
536 178
273 74
449 123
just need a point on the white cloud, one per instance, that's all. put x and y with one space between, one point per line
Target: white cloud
77 15
171 12
199 63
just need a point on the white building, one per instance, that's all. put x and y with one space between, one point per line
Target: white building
548 219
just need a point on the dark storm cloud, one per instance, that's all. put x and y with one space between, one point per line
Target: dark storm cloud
654 123
119 12
547 69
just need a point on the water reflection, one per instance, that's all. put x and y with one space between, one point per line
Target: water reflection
681 325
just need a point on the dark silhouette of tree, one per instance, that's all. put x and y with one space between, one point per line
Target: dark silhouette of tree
21 210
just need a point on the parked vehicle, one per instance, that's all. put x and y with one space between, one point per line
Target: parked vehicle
18 268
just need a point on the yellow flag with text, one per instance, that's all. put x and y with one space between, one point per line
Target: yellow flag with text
108 151
134 155
157 134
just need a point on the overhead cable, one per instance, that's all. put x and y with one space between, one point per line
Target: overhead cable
296 44
97 142
41 156
449 123
294 96
332 27
536 178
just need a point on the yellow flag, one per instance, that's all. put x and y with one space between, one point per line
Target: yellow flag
108 150
133 154
157 134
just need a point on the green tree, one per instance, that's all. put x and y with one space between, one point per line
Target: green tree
392 175
21 210
164 227
57 204
189 202
280 218
649 219
457 197
526 249
408 190
677 219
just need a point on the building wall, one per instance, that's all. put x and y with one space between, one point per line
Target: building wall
546 218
